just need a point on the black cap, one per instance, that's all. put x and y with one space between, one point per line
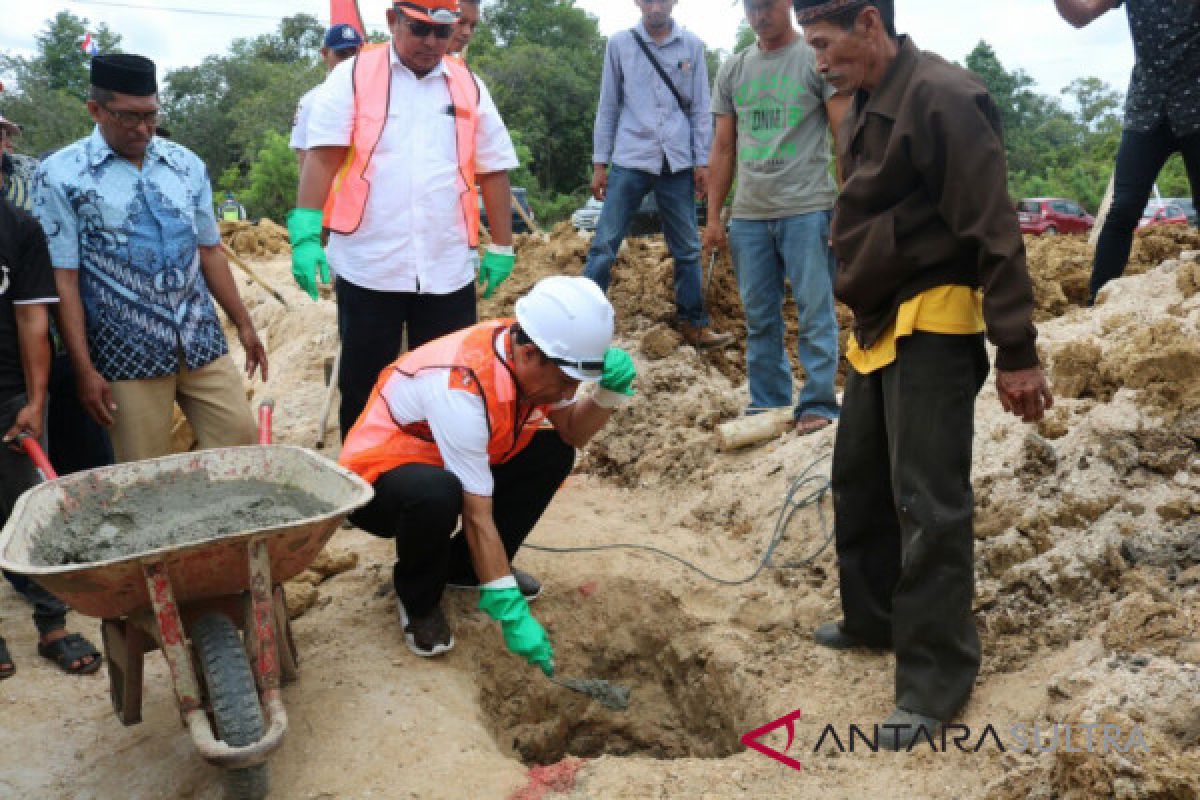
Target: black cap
809 11
127 74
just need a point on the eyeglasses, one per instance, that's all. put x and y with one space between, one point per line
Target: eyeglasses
132 119
422 29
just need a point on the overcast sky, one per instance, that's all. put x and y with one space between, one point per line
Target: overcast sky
1025 33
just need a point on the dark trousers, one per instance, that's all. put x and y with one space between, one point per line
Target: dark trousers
372 326
16 475
419 506
76 441
1139 160
903 511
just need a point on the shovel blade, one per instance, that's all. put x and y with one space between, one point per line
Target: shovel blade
608 694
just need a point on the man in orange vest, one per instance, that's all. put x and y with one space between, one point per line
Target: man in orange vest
407 133
458 428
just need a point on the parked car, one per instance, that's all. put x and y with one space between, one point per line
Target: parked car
1051 215
1156 215
1187 205
586 218
518 222
646 222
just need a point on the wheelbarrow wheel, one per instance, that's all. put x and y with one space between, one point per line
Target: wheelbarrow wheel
234 699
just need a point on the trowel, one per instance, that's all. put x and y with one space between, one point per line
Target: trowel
612 696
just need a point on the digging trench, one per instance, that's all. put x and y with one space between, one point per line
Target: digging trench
684 703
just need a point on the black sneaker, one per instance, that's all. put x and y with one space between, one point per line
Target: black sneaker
426 636
530 586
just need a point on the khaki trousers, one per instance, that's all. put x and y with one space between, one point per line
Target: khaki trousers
213 399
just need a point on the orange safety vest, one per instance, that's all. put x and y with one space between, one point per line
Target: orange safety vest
378 443
372 95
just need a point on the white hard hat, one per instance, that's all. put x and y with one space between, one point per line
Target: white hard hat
571 322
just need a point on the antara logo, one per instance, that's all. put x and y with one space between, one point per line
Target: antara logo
788 721
1034 739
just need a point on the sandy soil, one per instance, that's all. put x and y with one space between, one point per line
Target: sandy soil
1088 564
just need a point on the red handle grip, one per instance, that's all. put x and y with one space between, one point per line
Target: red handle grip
266 410
37 456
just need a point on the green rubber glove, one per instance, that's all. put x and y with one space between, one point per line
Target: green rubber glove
523 634
308 257
619 372
495 269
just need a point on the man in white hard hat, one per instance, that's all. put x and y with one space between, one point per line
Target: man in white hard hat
456 427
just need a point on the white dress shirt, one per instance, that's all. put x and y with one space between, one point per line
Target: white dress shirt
413 237
457 419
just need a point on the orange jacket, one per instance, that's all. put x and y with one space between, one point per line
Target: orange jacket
377 443
372 93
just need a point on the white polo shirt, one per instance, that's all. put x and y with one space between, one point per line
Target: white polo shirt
413 237
457 419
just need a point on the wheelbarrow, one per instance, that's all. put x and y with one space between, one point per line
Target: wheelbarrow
214 607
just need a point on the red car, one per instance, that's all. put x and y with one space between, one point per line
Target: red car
1156 215
1051 215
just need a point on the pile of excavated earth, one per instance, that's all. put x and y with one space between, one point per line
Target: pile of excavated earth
1088 597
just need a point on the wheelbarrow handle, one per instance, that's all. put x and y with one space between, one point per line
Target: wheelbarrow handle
266 409
38 456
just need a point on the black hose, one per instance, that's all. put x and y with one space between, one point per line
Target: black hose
790 507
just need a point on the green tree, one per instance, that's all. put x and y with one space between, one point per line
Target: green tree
46 91
1099 104
745 37
542 61
223 108
271 183
61 61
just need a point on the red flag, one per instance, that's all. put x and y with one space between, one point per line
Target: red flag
345 12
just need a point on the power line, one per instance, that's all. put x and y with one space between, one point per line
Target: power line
179 10
196 11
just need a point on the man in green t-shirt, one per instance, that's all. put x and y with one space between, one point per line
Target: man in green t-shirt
773 113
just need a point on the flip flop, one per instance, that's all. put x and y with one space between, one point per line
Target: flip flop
70 649
811 423
7 668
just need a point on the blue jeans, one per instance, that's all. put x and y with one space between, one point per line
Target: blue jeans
765 252
676 197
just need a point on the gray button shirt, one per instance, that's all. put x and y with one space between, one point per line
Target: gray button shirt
639 122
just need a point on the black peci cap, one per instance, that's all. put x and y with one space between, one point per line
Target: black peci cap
127 74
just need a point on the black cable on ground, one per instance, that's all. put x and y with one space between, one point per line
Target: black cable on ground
790 507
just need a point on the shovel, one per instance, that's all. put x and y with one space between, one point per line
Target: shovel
612 696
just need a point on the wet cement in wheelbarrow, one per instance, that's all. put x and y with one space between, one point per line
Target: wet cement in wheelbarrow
179 508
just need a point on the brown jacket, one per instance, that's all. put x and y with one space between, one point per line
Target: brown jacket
925 203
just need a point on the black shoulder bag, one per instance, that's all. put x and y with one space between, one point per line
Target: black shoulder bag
684 106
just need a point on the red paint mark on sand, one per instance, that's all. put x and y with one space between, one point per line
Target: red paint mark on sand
556 778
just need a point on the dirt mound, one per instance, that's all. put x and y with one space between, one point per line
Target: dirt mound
1061 266
642 292
1159 356
261 240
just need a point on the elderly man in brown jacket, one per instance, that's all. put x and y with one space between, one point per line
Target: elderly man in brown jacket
930 257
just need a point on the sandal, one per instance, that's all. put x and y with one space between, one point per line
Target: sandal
811 423
70 649
7 667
